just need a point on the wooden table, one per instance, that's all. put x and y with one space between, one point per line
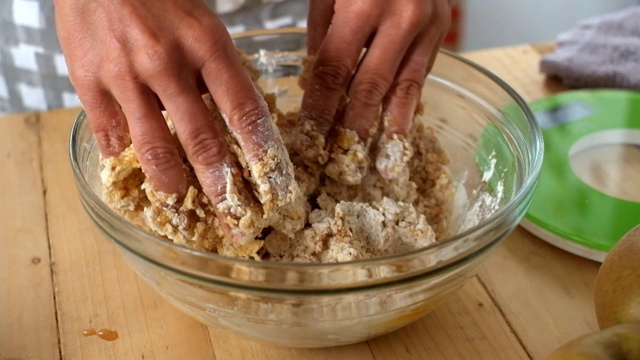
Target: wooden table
59 276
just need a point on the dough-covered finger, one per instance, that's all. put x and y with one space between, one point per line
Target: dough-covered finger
107 121
249 122
350 140
404 95
201 135
375 74
394 150
349 153
335 62
153 143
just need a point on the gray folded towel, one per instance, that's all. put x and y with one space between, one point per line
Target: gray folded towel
603 51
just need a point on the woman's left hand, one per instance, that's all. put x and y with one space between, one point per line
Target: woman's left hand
401 39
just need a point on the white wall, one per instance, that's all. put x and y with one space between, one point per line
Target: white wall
490 23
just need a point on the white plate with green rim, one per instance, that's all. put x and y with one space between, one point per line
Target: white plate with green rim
565 210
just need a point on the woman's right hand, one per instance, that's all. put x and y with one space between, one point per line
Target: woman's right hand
129 58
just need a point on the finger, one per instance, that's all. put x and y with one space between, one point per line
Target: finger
335 62
107 122
349 160
404 95
154 145
374 77
318 22
249 121
394 149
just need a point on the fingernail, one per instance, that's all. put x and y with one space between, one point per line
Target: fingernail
349 159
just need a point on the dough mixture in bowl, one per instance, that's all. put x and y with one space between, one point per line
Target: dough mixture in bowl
330 216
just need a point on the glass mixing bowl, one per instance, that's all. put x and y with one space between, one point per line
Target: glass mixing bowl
496 150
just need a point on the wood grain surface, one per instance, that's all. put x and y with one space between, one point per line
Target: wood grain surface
28 328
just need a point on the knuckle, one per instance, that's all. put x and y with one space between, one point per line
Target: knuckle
249 120
370 91
82 78
332 76
155 60
110 142
119 70
206 149
414 18
408 89
210 53
161 157
418 14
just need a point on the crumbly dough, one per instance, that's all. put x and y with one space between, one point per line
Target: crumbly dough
394 152
349 157
325 215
